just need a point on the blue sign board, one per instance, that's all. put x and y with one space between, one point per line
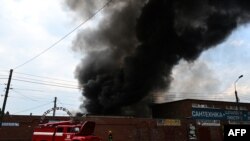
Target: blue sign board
13 124
220 114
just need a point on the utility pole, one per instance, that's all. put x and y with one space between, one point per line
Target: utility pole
5 97
54 109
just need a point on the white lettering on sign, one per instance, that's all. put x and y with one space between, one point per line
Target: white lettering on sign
206 114
235 132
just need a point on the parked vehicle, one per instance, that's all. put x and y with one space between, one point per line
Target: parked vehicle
65 131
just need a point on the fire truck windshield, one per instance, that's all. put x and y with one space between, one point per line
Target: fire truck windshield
76 129
73 130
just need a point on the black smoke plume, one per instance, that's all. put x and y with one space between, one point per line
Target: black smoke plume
132 50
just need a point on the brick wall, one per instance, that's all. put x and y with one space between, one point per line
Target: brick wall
123 129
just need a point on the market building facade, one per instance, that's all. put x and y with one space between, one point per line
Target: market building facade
183 120
205 120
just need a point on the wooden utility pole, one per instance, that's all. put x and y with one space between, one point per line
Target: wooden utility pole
5 97
54 110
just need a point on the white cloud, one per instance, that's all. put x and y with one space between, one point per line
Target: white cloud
27 28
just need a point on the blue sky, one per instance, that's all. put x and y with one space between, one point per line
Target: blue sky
30 26
213 74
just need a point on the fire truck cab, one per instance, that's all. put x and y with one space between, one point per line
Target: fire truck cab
65 131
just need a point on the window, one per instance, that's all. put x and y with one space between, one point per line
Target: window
76 129
60 129
73 129
69 130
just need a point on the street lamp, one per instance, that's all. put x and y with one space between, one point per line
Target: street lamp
236 95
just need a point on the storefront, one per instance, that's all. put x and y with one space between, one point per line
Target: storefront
205 120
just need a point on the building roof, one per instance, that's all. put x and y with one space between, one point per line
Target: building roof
201 100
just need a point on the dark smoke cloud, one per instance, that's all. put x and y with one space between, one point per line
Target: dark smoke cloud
131 53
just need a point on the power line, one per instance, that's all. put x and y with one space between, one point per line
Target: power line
53 45
24 95
37 107
62 86
51 78
68 105
44 81
33 98
21 89
60 102
43 94
63 104
25 99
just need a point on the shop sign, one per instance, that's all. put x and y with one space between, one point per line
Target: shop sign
168 122
208 122
10 124
220 114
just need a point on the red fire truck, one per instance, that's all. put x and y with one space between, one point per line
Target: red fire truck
65 131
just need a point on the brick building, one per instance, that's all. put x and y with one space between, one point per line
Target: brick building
20 128
204 119
184 120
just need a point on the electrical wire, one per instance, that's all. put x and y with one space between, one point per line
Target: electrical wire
33 98
62 86
60 102
43 94
34 90
24 95
44 81
50 78
33 108
63 104
25 99
53 45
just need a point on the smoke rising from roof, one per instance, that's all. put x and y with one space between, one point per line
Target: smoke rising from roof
132 51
